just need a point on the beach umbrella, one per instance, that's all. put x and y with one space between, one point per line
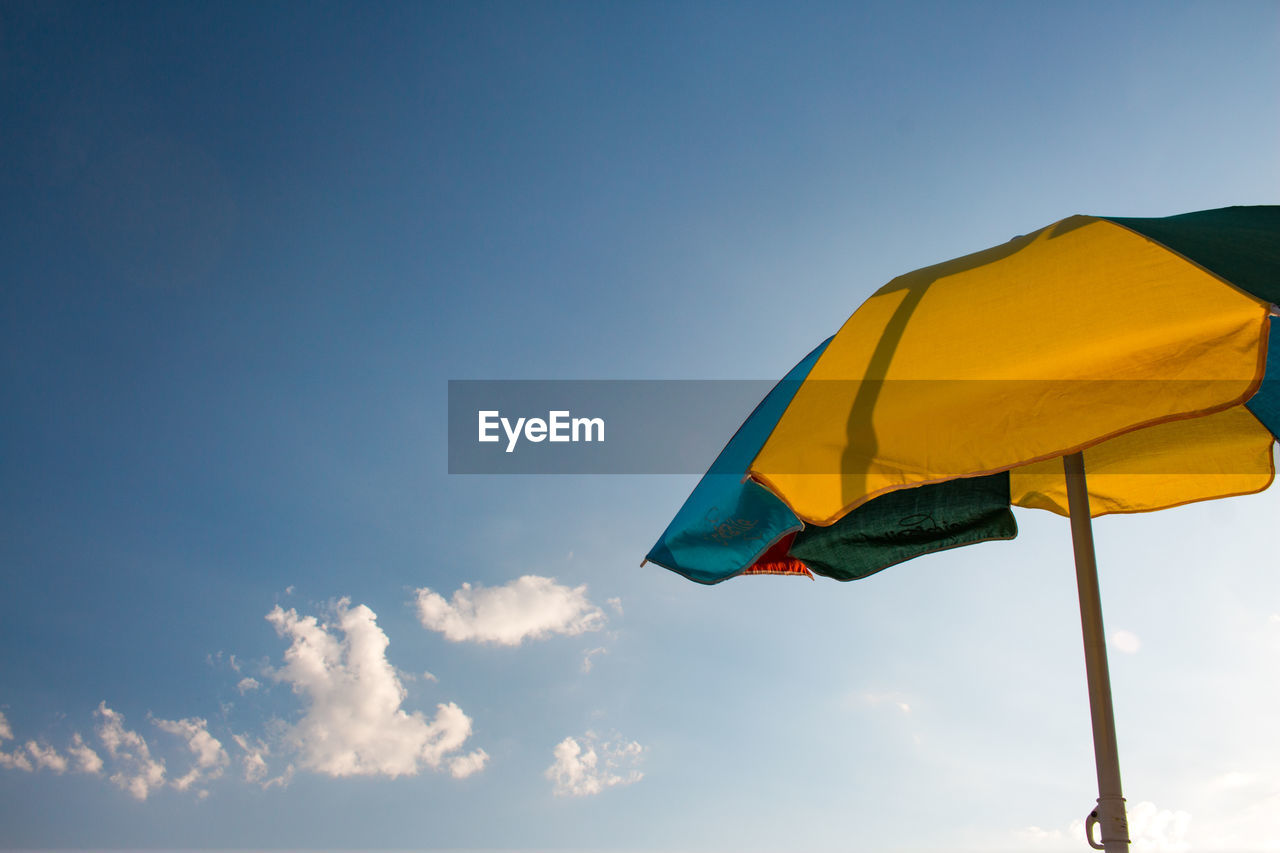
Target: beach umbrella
1136 349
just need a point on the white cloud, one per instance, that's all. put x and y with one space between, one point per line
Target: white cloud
246 684
530 607
12 760
254 760
354 723
210 758
254 763
464 765
139 774
16 761
586 768
1034 837
87 761
428 676
1156 830
1126 641
616 604
46 757
1151 830
33 756
282 780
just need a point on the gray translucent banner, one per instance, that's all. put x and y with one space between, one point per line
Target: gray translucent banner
627 426
637 426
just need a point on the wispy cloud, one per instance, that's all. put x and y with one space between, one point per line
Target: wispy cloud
253 760
530 607
46 757
210 759
1151 830
354 723
877 698
87 761
253 763
33 755
589 654
138 773
18 759
585 766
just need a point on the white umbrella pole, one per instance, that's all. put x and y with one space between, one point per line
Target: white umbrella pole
1109 816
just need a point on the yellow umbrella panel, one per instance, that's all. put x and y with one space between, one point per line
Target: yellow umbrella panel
1086 335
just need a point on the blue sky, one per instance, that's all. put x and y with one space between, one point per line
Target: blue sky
245 248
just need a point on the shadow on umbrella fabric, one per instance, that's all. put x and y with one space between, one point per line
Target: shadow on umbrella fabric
950 395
